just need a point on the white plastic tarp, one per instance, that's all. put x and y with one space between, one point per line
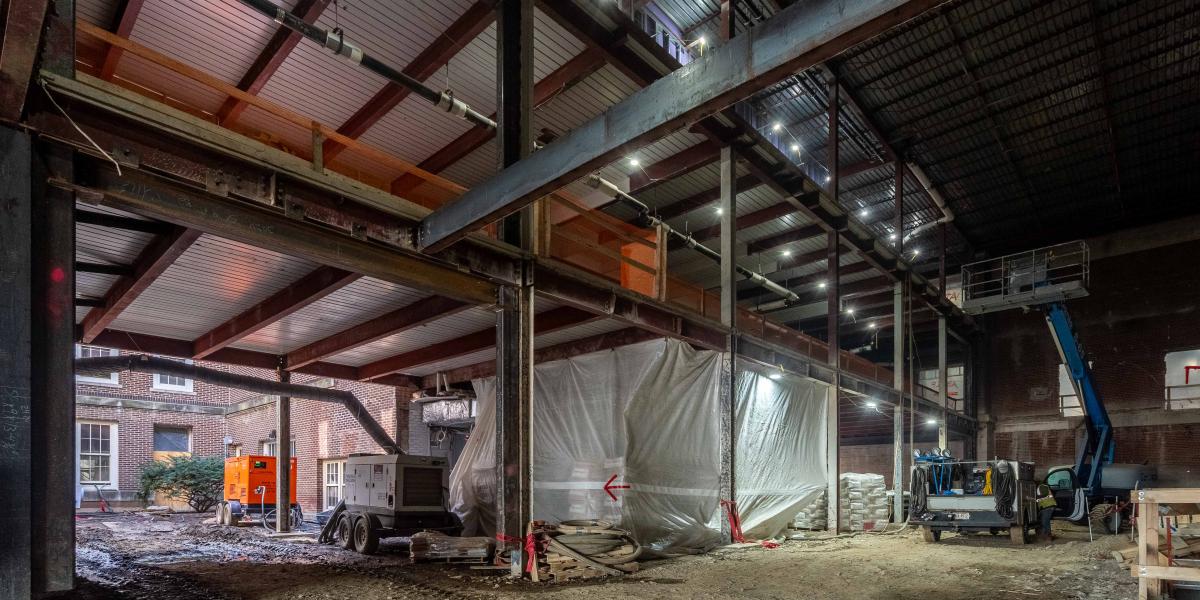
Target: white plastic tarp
473 479
673 459
779 460
650 414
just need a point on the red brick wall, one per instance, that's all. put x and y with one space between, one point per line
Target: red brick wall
1141 306
140 386
135 435
322 431
877 458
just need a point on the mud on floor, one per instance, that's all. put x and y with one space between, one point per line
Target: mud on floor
144 556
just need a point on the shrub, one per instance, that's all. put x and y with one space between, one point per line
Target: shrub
195 480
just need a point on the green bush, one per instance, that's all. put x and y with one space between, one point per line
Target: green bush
195 480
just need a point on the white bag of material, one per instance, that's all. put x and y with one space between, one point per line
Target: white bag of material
780 456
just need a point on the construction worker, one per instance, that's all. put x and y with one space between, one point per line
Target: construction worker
1046 505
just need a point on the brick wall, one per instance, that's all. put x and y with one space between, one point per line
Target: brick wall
135 435
1141 306
877 458
323 431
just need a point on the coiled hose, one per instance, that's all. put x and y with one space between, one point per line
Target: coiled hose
1004 489
918 489
587 540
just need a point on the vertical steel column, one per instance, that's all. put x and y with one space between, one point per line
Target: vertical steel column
942 259
833 307
514 93
898 338
943 426
16 266
728 319
514 329
283 455
53 374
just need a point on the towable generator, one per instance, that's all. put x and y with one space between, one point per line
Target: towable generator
250 491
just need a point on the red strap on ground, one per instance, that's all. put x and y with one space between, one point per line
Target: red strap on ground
769 545
735 521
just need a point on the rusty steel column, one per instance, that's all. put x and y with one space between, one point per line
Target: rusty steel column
283 455
899 331
514 326
833 307
729 309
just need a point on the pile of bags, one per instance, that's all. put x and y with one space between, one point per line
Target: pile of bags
864 502
815 515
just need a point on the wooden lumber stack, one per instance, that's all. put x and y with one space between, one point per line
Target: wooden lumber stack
1185 541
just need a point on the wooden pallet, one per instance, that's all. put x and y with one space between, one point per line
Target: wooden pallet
1153 566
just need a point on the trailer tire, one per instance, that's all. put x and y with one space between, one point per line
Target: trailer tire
366 536
343 534
930 536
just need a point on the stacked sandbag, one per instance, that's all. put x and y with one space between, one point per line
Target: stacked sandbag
863 502
814 515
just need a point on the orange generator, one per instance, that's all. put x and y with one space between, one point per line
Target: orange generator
250 489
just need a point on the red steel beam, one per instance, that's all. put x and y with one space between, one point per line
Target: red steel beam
551 320
269 60
151 344
565 350
460 33
22 34
127 15
414 315
673 166
570 73
151 263
309 289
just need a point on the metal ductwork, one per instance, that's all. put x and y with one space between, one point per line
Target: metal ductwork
335 42
141 363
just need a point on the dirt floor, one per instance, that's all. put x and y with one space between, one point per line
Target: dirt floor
144 556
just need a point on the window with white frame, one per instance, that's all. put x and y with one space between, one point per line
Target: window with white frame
82 351
1182 379
97 443
269 447
335 482
172 383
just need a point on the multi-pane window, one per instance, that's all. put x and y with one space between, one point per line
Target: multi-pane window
172 439
172 383
335 483
269 447
82 351
97 441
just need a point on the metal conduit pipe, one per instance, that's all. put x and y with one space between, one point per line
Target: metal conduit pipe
789 297
103 365
336 43
938 199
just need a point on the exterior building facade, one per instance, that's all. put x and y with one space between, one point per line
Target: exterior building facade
125 420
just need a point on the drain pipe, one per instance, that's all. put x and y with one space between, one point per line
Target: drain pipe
103 365
336 43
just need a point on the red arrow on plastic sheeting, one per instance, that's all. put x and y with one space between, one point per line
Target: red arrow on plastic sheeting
609 487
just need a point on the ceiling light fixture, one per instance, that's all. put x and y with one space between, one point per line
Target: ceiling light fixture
864 213
787 252
931 422
776 127
796 148
871 325
871 404
633 162
821 285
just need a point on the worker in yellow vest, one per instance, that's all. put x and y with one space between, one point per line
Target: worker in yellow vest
1046 504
